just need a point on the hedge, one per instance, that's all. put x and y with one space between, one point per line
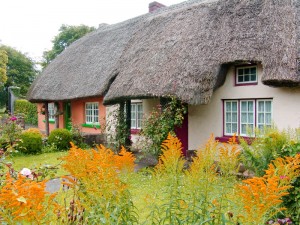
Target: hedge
28 109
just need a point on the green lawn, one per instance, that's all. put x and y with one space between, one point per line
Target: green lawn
37 161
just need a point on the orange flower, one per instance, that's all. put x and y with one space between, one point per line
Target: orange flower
25 200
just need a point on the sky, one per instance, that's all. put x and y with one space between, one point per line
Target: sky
30 25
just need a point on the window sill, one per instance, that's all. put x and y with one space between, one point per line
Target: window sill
225 139
246 84
50 121
90 125
135 131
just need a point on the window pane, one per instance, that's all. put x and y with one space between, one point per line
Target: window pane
261 118
228 106
268 106
234 106
228 128
250 106
268 118
244 117
246 74
261 106
234 117
92 112
234 128
244 106
228 117
250 118
244 129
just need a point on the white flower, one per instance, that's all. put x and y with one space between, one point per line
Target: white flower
26 172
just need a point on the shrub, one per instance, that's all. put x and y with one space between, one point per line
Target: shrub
31 143
10 133
28 109
34 130
61 138
160 123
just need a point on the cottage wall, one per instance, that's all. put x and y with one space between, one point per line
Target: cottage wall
208 119
77 115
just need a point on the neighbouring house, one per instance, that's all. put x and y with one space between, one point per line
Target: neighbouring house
235 63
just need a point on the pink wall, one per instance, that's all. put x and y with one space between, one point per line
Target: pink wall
78 115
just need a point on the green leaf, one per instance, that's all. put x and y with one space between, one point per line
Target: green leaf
22 199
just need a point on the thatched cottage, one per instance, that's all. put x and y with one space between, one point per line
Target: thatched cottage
234 62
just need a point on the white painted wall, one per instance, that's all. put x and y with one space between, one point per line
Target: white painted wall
148 106
207 119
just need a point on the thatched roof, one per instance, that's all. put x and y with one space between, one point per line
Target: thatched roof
183 50
86 67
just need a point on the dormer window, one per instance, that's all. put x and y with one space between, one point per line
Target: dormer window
246 75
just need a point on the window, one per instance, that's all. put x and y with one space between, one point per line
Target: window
246 75
51 111
136 115
91 113
241 117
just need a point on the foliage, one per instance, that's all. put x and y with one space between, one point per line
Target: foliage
28 109
66 36
61 138
77 137
31 142
24 200
265 148
3 62
20 70
104 189
161 122
10 133
262 196
116 129
98 187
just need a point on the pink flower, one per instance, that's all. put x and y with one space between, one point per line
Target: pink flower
284 177
13 118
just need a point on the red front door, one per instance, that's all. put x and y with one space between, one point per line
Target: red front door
183 134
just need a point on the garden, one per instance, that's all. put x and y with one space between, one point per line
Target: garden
101 186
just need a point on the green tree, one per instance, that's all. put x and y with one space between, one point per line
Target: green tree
66 36
20 71
3 62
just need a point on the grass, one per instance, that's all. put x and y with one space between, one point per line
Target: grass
36 161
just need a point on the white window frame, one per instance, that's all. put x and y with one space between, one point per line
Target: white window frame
230 113
92 113
266 113
250 125
244 74
51 111
137 111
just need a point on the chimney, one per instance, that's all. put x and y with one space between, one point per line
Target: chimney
154 6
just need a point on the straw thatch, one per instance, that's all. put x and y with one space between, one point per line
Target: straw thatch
183 50
86 67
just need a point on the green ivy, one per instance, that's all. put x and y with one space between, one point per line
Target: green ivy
162 121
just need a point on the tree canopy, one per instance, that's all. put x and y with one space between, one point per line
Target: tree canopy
67 35
20 69
3 62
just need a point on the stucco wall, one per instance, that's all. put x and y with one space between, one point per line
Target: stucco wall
207 119
41 119
148 106
78 115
